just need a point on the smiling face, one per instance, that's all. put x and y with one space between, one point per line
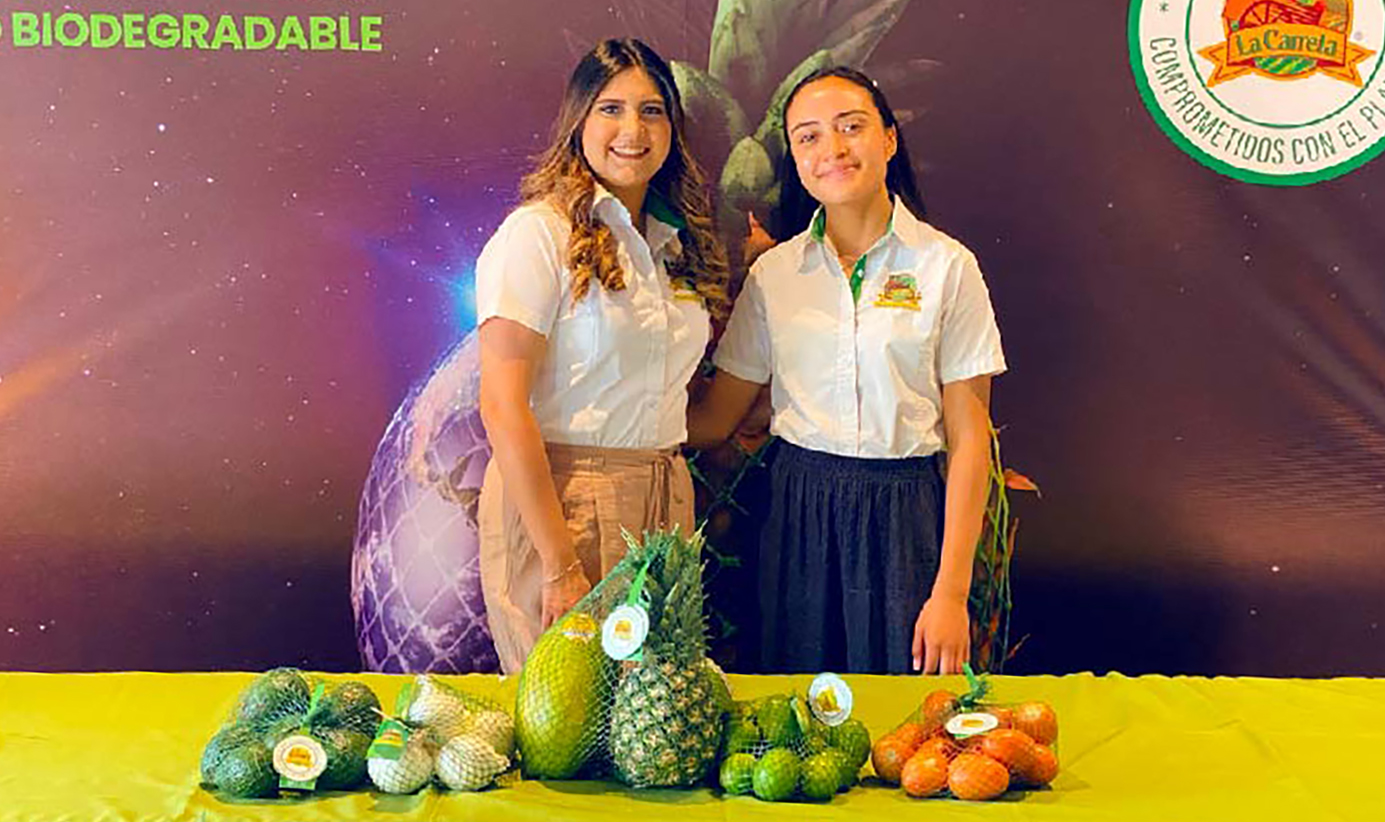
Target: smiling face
627 134
839 142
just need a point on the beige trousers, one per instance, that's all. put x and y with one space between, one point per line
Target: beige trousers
601 490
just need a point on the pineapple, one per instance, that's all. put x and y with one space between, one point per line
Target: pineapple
667 712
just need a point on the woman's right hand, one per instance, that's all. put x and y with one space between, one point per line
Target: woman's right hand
510 356
562 593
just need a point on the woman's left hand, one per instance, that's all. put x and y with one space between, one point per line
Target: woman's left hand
942 636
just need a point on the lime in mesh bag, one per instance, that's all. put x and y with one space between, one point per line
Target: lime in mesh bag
968 746
621 686
463 740
292 730
794 746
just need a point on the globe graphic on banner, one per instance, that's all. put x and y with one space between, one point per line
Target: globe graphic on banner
415 568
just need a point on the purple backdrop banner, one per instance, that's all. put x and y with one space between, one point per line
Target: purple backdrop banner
222 271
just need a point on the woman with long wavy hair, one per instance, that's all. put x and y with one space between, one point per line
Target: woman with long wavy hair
594 301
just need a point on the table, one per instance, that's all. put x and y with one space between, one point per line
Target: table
125 746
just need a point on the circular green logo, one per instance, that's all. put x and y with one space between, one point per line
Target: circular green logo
1275 92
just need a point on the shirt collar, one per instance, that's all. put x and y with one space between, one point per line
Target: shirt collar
901 222
662 226
903 226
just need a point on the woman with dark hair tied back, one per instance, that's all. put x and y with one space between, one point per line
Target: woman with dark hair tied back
876 333
594 300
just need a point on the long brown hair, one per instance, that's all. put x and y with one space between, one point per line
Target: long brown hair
563 178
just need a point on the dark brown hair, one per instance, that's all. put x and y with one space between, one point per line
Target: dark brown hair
796 205
563 178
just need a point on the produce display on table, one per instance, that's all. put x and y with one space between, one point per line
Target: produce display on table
620 686
787 746
969 748
290 730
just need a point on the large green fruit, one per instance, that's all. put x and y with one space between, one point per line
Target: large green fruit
564 693
351 705
346 761
246 772
229 737
279 729
272 695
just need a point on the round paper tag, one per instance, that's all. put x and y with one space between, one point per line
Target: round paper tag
300 758
830 698
965 725
579 627
624 631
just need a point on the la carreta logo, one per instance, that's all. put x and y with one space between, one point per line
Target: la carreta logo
1286 40
1279 92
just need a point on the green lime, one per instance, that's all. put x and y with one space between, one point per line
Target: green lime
816 741
846 770
852 738
742 736
776 720
803 718
738 773
821 776
776 775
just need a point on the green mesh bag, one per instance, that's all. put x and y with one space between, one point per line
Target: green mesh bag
340 717
777 749
630 696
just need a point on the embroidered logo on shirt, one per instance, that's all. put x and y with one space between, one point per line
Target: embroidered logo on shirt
899 291
685 291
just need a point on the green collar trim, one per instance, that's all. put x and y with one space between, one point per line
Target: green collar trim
658 208
818 228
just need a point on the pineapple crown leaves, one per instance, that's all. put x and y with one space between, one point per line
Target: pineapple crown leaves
672 592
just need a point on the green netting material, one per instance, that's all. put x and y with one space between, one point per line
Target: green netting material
650 719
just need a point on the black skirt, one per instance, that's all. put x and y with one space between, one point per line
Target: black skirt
847 559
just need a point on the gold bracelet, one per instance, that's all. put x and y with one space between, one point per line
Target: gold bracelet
576 563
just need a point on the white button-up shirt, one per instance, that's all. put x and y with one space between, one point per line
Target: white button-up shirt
618 363
863 378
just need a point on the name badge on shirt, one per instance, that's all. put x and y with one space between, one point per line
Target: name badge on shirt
899 291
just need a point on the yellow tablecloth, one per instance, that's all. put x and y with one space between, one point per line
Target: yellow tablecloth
125 746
